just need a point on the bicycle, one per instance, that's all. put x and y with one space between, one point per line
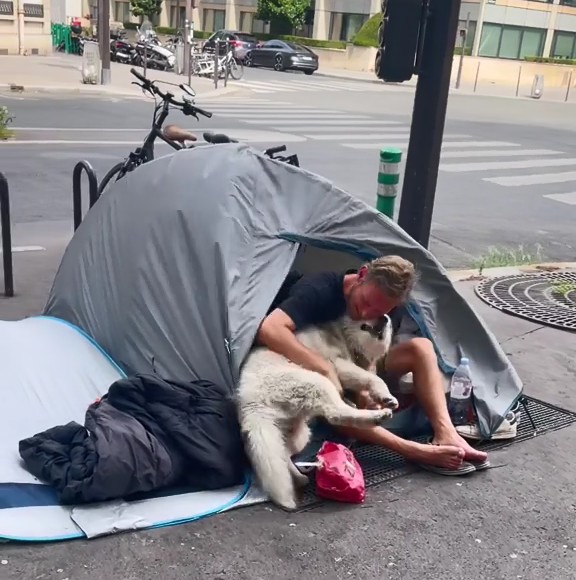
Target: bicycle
173 135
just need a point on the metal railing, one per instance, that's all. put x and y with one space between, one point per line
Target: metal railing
77 189
6 236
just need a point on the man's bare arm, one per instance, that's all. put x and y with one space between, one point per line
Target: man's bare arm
277 333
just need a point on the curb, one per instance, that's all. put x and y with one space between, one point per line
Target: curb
23 89
474 275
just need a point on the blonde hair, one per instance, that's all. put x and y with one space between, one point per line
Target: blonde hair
394 275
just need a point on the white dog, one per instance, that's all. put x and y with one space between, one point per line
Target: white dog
277 398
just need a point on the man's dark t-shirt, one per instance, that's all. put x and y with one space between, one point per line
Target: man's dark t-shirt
312 299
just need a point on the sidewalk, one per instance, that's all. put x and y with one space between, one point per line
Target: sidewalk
63 73
516 521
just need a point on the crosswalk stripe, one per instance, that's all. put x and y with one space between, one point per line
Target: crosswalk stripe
291 116
395 132
536 179
498 153
273 87
495 165
479 144
352 137
293 123
266 109
337 126
568 198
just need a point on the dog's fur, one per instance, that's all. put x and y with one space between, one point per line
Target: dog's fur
277 398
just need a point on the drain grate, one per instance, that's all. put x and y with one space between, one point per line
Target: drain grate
548 298
380 465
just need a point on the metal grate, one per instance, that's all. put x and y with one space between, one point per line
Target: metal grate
548 298
6 8
33 10
380 465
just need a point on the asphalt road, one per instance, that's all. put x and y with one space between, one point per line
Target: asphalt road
501 184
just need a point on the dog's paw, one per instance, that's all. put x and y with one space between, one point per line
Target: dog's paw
381 394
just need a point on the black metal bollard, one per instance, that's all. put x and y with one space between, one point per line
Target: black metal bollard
6 236
77 189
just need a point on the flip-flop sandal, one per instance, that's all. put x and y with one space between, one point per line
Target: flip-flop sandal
464 468
480 465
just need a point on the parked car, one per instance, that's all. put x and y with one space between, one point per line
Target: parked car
283 55
241 41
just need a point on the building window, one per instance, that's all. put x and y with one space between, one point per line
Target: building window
344 26
246 20
213 20
513 42
122 11
568 3
564 45
178 17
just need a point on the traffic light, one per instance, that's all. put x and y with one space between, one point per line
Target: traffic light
400 38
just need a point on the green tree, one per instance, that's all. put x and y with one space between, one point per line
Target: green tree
146 8
291 11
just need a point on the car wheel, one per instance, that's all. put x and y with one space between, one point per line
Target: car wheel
248 60
308 72
279 63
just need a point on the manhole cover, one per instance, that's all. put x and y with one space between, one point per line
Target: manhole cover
548 298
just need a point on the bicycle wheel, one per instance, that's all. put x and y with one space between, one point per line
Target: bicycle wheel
236 69
108 177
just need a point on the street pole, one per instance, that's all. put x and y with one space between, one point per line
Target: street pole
428 119
188 20
105 41
462 50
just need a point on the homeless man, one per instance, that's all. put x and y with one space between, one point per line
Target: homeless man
377 288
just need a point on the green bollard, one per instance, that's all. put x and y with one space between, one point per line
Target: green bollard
388 179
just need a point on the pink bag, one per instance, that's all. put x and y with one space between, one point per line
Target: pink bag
339 476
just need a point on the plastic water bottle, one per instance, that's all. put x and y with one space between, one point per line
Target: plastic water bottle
461 393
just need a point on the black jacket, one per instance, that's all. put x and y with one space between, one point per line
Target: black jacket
146 434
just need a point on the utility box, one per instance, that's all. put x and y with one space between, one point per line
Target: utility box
91 63
537 87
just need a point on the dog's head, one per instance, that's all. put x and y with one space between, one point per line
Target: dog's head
371 338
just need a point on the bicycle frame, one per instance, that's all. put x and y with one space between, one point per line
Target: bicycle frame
146 152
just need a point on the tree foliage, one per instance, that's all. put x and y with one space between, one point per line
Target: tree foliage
293 11
147 8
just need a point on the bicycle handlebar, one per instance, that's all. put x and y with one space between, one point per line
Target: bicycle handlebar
187 108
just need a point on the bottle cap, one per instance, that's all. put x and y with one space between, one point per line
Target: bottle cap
464 360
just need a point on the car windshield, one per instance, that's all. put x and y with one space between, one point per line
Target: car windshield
246 38
297 47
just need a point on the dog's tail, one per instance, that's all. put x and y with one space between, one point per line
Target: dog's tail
267 450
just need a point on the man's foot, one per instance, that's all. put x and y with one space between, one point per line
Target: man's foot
454 439
445 456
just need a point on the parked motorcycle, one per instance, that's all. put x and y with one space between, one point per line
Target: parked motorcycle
122 51
157 57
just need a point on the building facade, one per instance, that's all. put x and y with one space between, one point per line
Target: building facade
509 29
516 29
25 27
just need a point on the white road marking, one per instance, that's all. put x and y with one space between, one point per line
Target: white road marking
394 133
537 179
568 198
497 165
300 117
479 144
328 122
79 129
498 153
16 249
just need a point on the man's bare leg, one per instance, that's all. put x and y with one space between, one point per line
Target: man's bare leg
418 356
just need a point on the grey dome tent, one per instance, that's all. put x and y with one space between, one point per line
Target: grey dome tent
171 273
174 268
